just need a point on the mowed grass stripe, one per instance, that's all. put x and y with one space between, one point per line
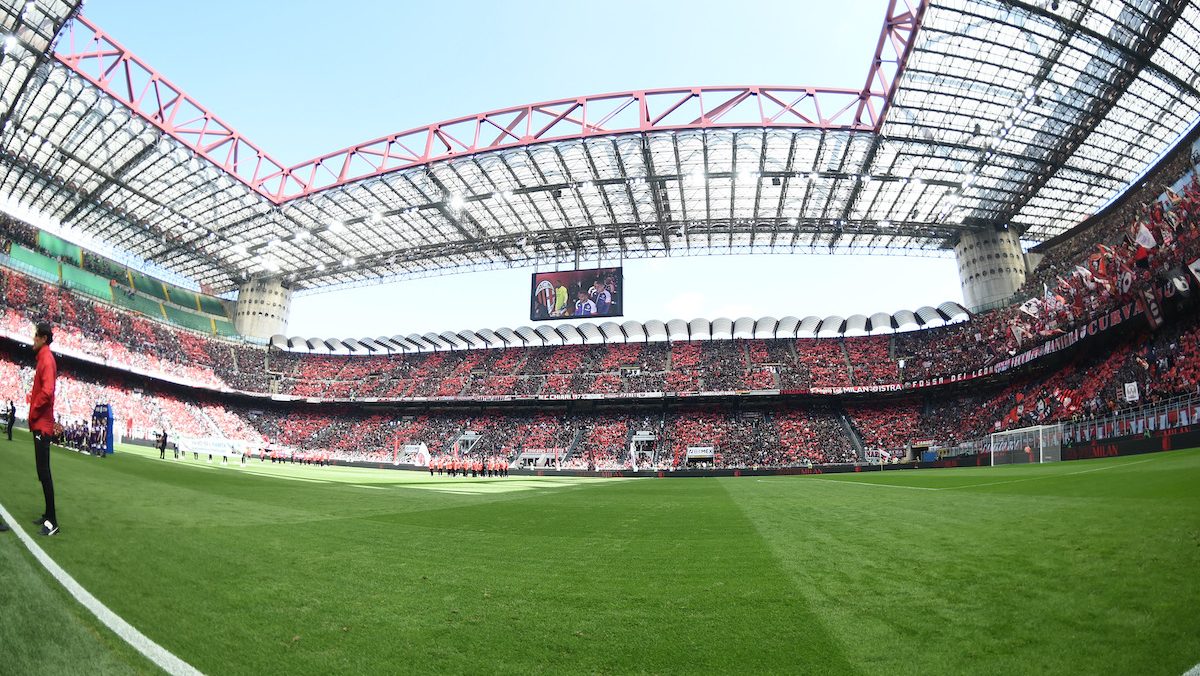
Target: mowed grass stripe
44 631
636 576
1093 572
273 575
1080 572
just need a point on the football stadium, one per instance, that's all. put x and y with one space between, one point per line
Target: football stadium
1004 482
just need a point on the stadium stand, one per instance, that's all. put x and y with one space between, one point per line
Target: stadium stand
811 437
1090 383
886 427
106 314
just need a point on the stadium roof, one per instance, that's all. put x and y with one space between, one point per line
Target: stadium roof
974 114
552 334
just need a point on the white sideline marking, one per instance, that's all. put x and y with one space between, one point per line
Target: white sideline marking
1194 671
374 488
140 642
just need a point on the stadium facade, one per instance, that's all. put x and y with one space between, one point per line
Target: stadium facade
979 125
982 127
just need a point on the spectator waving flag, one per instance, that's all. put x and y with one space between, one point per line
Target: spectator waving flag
1085 276
1031 307
1145 238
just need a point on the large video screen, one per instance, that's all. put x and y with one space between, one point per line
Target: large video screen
576 294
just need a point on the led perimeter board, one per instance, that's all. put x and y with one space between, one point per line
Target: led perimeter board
575 294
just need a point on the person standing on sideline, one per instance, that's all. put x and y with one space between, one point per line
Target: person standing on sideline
10 416
162 445
41 419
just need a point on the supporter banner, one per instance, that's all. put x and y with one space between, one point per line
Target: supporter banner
1131 392
1194 266
1096 326
1125 281
1178 283
1149 302
1184 437
895 387
852 389
211 446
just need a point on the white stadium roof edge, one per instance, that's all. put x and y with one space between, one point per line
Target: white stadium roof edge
975 114
633 332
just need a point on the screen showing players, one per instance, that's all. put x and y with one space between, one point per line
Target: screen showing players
576 294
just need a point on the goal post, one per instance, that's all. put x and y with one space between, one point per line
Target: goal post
1040 443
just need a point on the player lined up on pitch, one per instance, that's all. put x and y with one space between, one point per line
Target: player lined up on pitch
477 468
317 458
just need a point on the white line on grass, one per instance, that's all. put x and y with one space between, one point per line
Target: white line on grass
374 488
140 642
871 483
1047 476
1194 671
289 478
990 483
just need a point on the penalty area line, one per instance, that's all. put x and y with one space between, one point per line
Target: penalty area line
128 633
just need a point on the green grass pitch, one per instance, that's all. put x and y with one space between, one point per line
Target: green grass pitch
1079 567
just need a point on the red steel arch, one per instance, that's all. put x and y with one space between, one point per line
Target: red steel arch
97 57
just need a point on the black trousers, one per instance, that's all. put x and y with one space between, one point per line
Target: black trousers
41 452
9 430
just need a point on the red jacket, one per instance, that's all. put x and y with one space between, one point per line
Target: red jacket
41 398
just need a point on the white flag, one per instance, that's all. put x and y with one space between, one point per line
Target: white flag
1145 238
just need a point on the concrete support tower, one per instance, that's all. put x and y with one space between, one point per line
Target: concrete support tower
262 308
991 266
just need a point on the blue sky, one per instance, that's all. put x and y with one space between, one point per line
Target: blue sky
304 78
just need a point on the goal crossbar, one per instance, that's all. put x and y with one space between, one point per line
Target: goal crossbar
1035 444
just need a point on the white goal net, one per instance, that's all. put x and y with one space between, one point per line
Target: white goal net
1041 443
